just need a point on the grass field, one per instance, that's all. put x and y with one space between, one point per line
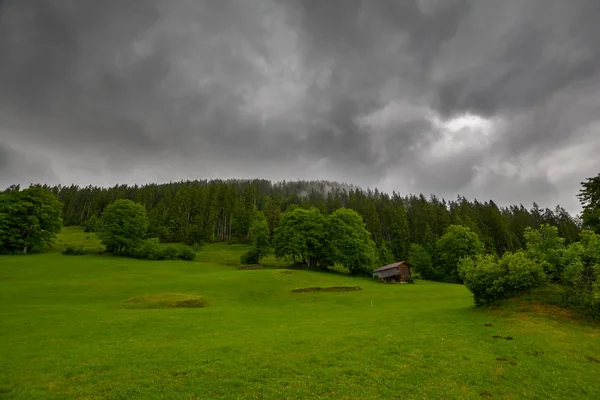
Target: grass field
67 332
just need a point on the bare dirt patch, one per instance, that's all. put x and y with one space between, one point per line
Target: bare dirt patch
251 266
592 359
166 300
328 289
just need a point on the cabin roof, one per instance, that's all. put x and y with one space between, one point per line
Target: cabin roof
390 266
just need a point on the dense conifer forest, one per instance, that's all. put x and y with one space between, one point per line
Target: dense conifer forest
223 210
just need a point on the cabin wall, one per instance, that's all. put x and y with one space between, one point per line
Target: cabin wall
404 273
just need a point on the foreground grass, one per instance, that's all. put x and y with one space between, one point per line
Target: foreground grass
66 333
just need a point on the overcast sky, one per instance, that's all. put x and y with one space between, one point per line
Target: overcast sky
486 98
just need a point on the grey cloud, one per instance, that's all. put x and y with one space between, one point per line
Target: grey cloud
20 167
153 89
517 54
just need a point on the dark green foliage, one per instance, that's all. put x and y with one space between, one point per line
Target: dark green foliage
384 254
250 257
259 236
186 253
420 259
91 223
195 212
589 196
170 252
457 242
581 274
123 226
302 236
490 279
350 243
29 219
202 211
395 228
149 249
546 247
74 251
572 271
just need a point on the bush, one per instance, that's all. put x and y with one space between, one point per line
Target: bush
74 251
186 253
252 256
170 252
416 276
149 250
490 279
152 250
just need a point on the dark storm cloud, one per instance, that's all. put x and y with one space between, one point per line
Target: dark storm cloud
362 91
18 167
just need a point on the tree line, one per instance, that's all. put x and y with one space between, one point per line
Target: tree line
200 211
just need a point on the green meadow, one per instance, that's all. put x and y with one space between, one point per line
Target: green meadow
101 327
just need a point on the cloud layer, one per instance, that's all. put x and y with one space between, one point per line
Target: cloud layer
489 99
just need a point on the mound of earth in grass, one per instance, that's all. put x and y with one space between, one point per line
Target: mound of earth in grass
328 289
250 266
166 300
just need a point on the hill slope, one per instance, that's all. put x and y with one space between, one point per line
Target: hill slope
66 333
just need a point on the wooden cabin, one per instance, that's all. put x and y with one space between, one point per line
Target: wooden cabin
397 272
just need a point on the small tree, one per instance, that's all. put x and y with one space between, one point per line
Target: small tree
420 259
589 196
545 246
302 236
350 242
259 237
123 226
29 219
90 224
457 242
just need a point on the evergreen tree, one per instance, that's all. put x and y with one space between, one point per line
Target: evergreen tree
589 196
420 259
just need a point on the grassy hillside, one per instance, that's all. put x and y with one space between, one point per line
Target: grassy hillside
68 331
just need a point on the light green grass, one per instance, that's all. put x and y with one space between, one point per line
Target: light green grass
74 236
66 334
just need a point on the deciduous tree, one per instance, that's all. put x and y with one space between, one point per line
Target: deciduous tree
350 242
458 242
29 219
123 226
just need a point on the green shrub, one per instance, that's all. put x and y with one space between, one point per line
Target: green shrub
74 251
252 256
490 279
416 276
149 250
170 253
186 253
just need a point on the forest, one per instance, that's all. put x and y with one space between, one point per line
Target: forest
496 252
201 211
